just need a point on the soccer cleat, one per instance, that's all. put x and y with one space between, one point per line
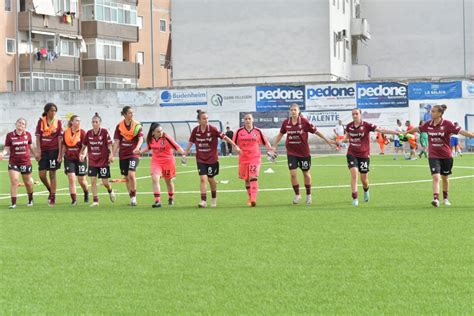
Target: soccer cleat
296 199
170 202
133 201
156 204
309 199
30 204
111 196
202 204
435 203
366 196
94 204
214 202
51 203
446 202
253 203
249 203
355 202
73 203
12 206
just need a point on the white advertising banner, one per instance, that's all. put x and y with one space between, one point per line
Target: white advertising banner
384 117
468 89
238 99
331 97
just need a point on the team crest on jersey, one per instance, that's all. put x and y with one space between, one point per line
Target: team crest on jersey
208 134
100 137
162 142
441 128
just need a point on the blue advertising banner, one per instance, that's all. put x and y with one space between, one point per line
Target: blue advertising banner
434 90
372 95
278 98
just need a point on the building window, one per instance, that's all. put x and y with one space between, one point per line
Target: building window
9 86
140 22
69 48
101 82
140 58
110 11
49 81
162 25
8 5
162 60
10 46
104 49
334 44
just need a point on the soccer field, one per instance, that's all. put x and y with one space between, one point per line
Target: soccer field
395 254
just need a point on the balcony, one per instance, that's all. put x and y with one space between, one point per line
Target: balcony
64 64
52 24
99 67
113 31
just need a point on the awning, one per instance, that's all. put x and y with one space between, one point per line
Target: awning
75 37
44 7
43 33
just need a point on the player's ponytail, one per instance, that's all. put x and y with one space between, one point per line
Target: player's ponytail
71 119
48 107
440 108
97 116
199 113
149 136
125 110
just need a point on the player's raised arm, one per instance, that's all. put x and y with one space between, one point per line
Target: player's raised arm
276 141
388 131
466 133
328 141
230 141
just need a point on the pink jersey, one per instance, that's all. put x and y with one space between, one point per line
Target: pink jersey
206 143
249 143
359 139
297 136
439 137
19 148
162 149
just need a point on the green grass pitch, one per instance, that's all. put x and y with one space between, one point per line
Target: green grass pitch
396 254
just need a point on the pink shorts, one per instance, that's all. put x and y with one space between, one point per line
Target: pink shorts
249 170
165 170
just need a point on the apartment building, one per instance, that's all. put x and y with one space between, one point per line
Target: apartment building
52 45
153 50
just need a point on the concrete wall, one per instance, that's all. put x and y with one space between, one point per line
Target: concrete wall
248 41
418 38
108 103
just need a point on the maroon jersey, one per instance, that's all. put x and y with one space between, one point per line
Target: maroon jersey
359 139
72 153
438 137
127 146
49 141
206 143
98 147
19 148
297 138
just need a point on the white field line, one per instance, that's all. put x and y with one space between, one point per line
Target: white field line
272 189
7 196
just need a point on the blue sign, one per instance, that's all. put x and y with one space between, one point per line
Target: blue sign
189 97
381 95
434 90
278 98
